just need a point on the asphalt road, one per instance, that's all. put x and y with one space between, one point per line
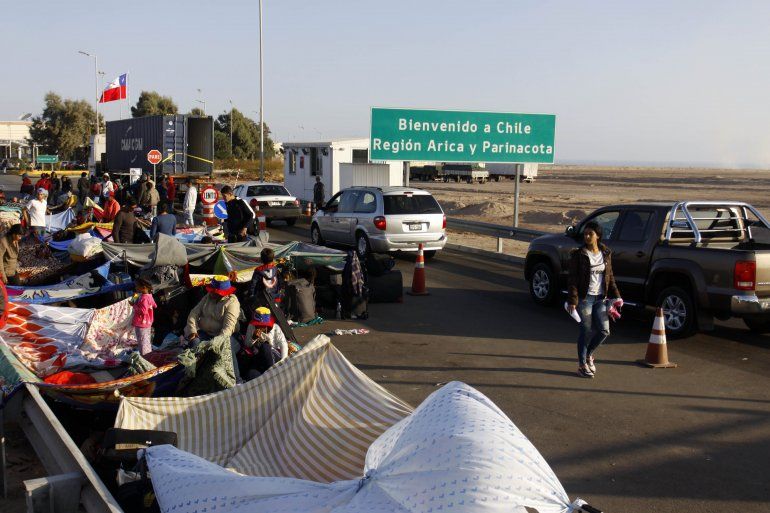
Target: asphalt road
694 438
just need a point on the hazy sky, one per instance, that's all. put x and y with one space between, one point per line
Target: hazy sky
643 81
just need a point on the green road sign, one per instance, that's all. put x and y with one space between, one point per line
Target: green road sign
461 136
47 159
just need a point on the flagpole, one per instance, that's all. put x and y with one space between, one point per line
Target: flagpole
128 98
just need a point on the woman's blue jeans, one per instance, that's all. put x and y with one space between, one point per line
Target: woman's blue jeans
593 320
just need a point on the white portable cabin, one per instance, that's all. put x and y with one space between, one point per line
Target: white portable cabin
303 161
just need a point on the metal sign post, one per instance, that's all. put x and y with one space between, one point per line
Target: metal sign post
516 197
154 157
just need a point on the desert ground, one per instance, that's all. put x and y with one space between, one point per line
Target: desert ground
563 195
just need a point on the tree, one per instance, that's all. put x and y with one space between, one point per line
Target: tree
151 103
64 127
245 137
197 111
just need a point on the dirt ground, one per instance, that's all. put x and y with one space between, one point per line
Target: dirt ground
563 195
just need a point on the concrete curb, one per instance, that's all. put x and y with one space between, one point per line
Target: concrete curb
482 252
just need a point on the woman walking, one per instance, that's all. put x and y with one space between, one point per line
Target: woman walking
590 284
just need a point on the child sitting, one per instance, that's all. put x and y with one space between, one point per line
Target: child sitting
265 342
143 315
265 278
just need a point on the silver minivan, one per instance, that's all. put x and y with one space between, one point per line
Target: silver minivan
381 219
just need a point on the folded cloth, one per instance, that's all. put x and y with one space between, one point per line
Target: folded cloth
70 378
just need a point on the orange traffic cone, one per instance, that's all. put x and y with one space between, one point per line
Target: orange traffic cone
657 354
307 209
418 279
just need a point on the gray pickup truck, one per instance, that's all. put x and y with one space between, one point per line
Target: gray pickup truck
697 260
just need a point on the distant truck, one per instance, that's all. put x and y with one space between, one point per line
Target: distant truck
463 173
696 260
499 172
186 143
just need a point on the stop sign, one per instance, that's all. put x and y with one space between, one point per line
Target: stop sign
154 157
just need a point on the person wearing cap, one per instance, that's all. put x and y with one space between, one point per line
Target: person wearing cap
217 314
110 209
9 255
36 210
265 341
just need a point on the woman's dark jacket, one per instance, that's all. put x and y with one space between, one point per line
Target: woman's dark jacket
580 275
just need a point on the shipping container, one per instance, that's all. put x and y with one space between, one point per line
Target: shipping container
370 175
186 143
500 171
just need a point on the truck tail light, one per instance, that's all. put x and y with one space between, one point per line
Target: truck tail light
379 223
443 224
745 275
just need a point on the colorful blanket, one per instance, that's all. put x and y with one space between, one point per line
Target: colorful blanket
48 339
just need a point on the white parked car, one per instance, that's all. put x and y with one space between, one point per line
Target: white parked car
272 199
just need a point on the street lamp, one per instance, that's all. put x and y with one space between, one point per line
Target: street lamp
96 86
202 102
261 106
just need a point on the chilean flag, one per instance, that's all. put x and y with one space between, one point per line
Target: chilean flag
116 90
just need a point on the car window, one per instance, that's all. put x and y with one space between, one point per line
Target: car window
348 201
635 227
606 220
396 204
267 190
367 203
335 201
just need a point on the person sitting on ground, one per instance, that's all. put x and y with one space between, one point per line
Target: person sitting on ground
217 314
111 209
9 255
36 211
144 316
264 342
239 215
163 222
265 278
125 224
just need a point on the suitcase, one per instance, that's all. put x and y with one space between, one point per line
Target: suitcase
387 288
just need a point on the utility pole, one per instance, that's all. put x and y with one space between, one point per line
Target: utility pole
96 87
231 128
261 107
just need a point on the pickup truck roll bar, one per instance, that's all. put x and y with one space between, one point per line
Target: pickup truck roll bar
688 225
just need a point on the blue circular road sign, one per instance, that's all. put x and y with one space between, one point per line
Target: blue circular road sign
220 209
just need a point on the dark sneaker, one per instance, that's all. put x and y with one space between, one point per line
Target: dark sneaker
590 365
584 372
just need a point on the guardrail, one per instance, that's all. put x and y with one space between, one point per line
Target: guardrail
71 479
493 230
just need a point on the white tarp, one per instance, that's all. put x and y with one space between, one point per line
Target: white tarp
457 452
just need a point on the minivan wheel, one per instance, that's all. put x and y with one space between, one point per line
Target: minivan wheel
362 245
543 286
678 312
315 235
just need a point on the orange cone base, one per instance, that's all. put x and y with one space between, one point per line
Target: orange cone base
417 293
645 363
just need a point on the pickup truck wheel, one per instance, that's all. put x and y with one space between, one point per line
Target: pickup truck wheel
757 325
543 284
678 312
